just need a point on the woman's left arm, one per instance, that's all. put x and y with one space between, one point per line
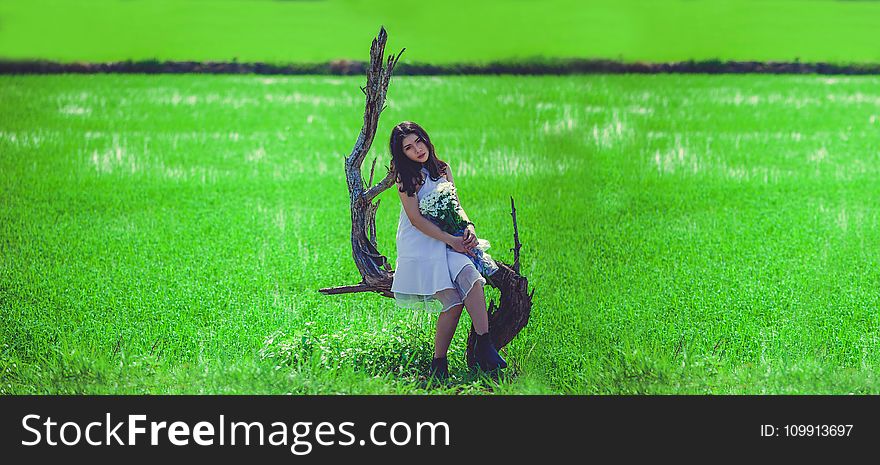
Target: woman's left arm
470 234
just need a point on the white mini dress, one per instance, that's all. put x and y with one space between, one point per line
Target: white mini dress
429 275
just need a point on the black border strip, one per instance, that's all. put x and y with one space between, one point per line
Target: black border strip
503 429
350 67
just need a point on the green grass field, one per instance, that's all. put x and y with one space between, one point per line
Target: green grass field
685 234
441 32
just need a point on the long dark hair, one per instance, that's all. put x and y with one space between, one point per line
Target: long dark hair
408 171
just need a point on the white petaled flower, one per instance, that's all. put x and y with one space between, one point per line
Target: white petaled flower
446 187
431 204
438 200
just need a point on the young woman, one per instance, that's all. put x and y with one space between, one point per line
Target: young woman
433 271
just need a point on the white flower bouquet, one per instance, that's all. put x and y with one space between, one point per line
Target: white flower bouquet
442 207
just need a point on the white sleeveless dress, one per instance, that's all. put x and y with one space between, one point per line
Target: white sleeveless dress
429 275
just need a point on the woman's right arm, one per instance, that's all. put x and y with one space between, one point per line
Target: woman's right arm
426 226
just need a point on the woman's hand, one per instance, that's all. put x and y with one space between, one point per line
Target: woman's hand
458 244
470 237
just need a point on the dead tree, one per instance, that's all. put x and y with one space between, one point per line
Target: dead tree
510 316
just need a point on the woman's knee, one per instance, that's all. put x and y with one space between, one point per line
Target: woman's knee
455 310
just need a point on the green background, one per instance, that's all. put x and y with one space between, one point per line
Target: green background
441 32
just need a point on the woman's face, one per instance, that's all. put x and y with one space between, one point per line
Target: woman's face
414 148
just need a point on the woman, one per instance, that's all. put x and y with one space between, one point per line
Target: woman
433 271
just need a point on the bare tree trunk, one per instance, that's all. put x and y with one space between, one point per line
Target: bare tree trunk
509 317
372 265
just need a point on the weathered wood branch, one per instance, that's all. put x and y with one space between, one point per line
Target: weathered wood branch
371 264
362 287
385 183
513 312
516 243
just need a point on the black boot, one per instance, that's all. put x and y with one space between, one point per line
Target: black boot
439 368
486 354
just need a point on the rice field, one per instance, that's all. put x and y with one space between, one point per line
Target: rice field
685 234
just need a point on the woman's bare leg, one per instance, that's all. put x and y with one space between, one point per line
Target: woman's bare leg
475 302
486 354
446 324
